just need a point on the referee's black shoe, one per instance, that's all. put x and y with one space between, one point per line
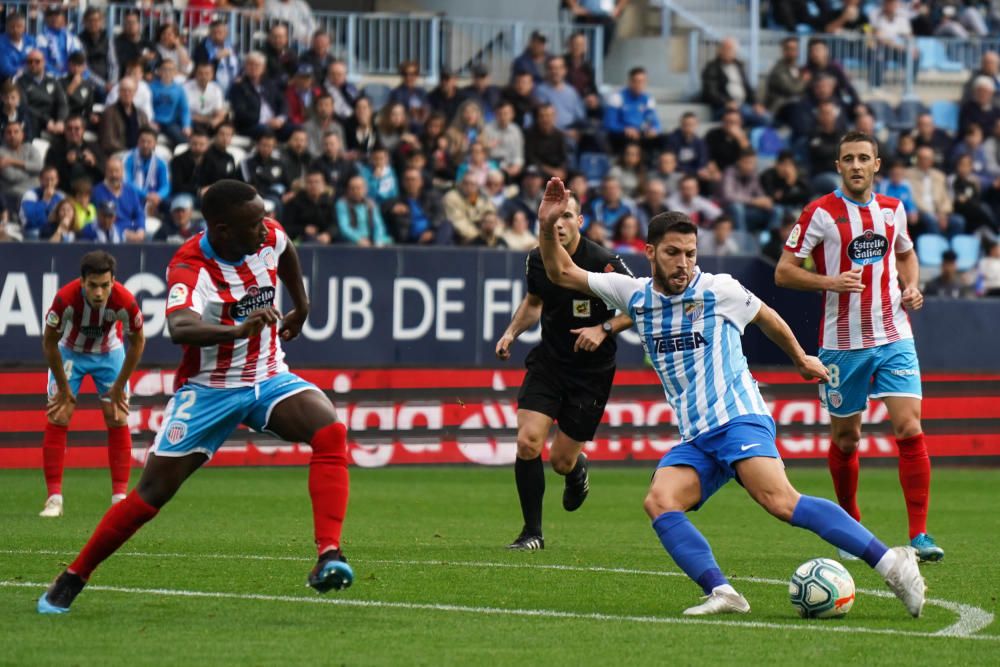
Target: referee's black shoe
577 485
527 542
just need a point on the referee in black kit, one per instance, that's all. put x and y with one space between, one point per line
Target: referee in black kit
569 374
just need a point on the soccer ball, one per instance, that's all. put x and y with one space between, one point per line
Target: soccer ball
821 588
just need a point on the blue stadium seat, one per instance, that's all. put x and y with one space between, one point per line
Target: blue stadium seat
933 56
906 115
930 247
967 247
945 113
377 94
594 166
885 115
767 142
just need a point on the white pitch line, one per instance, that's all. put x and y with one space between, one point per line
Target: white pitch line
971 619
496 611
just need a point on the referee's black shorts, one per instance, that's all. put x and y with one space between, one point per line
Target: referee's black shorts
575 399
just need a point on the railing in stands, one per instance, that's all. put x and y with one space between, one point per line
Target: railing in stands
370 43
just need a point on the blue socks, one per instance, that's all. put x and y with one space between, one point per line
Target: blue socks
833 524
689 549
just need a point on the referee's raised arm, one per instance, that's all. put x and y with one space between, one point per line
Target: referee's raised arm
559 266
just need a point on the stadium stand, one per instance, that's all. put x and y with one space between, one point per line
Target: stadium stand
431 118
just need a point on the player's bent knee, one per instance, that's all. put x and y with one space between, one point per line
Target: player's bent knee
907 429
563 465
529 448
330 443
657 502
779 504
847 441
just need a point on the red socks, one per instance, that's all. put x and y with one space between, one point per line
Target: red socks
329 484
119 458
53 454
118 525
844 470
915 478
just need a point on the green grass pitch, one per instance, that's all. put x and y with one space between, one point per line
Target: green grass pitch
219 577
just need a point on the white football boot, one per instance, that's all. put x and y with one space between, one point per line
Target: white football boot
53 506
720 602
117 498
905 580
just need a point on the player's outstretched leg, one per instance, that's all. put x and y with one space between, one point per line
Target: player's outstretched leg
160 480
568 460
765 480
53 455
674 490
118 525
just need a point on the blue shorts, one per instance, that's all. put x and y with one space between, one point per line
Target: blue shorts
886 370
199 418
713 453
103 368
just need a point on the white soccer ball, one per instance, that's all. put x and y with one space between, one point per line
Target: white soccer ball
821 588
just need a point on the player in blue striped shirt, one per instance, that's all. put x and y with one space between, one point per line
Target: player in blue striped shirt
690 323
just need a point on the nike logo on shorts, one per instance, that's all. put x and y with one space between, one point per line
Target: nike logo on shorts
743 448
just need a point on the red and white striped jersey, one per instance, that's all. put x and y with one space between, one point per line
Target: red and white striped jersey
224 292
841 234
88 329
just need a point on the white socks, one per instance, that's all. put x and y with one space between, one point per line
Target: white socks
885 563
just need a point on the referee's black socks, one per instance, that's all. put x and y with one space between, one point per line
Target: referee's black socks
530 478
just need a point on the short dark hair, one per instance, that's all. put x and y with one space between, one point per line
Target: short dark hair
146 129
222 196
200 131
671 221
949 256
688 114
636 70
97 262
855 136
747 152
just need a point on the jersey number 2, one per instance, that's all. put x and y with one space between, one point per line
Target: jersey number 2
185 401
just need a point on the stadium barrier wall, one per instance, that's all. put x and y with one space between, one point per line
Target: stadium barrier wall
434 415
402 341
422 307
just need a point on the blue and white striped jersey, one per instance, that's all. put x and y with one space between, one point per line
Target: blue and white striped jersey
693 340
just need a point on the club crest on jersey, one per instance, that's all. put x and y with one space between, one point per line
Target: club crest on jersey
269 258
693 310
836 399
255 299
581 307
842 220
176 432
869 248
889 216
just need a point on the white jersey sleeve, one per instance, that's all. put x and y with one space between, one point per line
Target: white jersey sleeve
614 289
734 301
808 232
903 242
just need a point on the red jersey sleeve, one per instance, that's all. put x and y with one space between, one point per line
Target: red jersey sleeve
125 300
276 236
55 317
807 232
182 286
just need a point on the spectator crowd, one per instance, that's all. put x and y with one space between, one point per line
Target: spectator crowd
116 139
